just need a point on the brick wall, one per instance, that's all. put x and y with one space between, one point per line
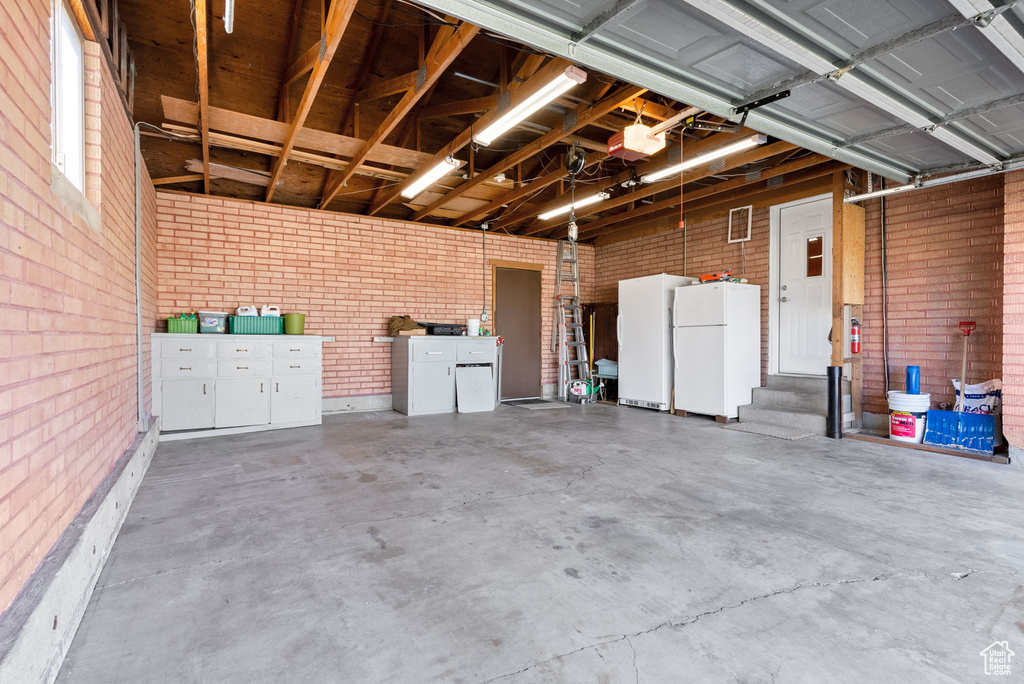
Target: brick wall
1013 309
945 256
945 265
348 274
706 250
67 301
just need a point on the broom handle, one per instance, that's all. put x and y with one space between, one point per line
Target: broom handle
963 376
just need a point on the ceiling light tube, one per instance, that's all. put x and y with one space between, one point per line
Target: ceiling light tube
879 193
443 168
586 201
229 16
564 81
717 153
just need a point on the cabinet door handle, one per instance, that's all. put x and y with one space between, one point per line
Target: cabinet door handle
184 350
261 388
277 387
449 370
184 368
241 367
294 350
476 352
295 366
431 353
241 350
204 388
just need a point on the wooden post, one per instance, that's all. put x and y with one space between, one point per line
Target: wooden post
847 282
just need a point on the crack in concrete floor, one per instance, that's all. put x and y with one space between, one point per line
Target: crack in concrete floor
679 624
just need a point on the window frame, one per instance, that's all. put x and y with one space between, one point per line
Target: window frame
67 94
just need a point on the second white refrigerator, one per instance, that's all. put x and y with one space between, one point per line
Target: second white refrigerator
717 345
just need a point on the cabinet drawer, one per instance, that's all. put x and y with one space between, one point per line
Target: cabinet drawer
187 349
433 351
298 349
296 367
187 368
244 350
243 368
477 351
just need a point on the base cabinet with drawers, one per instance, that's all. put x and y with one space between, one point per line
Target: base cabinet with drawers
237 382
423 370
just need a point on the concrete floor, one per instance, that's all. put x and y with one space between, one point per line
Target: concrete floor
618 546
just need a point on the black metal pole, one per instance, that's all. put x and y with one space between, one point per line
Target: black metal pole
834 424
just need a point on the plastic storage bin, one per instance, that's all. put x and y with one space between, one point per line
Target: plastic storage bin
257 325
213 322
182 325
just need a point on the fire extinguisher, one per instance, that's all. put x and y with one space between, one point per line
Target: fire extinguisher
855 336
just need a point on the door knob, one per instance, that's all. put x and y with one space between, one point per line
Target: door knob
782 287
783 299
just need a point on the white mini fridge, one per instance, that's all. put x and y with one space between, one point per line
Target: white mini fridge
644 328
717 344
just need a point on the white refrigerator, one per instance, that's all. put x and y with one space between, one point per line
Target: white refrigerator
644 328
717 344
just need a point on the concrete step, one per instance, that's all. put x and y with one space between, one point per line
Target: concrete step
787 416
803 383
813 401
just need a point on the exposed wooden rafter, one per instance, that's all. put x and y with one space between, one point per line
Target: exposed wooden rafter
336 22
448 44
283 104
537 80
603 225
202 57
582 116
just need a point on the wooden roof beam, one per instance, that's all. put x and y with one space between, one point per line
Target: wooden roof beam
336 22
583 115
712 196
539 80
471 106
657 162
202 57
283 106
392 86
813 160
448 44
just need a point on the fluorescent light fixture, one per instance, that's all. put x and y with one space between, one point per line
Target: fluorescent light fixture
879 193
717 153
443 168
229 16
558 85
586 201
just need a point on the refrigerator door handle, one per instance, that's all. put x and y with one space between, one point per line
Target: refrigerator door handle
618 329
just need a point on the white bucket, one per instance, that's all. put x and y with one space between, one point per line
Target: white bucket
473 326
907 416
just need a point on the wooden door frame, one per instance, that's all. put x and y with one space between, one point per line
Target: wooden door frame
774 235
521 266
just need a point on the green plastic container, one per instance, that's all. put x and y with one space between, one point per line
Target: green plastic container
182 325
294 323
256 325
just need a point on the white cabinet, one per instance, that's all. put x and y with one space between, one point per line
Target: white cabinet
432 387
423 370
293 399
242 401
187 404
235 383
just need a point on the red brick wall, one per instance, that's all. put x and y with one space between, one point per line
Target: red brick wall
1013 309
945 255
945 265
67 302
348 274
707 250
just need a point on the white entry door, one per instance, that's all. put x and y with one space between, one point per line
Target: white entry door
805 286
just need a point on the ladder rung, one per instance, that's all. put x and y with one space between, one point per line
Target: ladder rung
577 363
577 344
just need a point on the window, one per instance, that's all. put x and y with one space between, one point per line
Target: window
815 264
67 96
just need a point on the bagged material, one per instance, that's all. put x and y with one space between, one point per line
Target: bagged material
399 323
984 397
